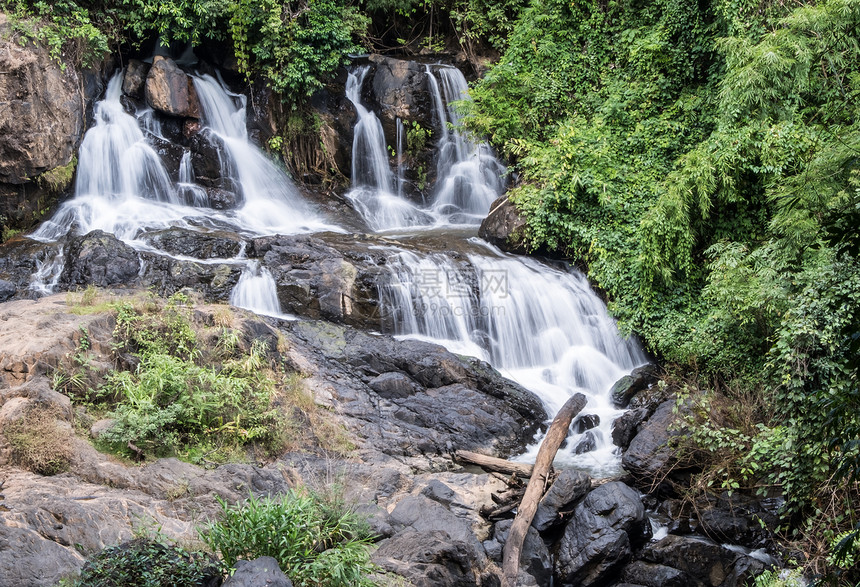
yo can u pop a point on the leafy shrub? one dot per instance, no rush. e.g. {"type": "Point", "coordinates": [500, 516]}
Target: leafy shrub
{"type": "Point", "coordinates": [315, 543]}
{"type": "Point", "coordinates": [148, 562]}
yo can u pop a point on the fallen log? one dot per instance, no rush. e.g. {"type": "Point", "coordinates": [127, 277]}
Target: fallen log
{"type": "Point", "coordinates": [537, 484]}
{"type": "Point", "coordinates": [493, 463]}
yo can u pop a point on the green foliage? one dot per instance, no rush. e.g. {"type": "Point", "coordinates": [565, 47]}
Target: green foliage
{"type": "Point", "coordinates": [171, 405]}
{"type": "Point", "coordinates": [147, 562]}
{"type": "Point", "coordinates": [702, 160]}
{"type": "Point", "coordinates": [72, 32]}
{"type": "Point", "coordinates": [176, 20]}
{"type": "Point", "coordinates": [295, 45]}
{"type": "Point", "coordinates": [316, 543]}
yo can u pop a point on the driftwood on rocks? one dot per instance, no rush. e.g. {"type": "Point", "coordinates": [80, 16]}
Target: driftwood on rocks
{"type": "Point", "coordinates": [537, 484]}
{"type": "Point", "coordinates": [494, 463]}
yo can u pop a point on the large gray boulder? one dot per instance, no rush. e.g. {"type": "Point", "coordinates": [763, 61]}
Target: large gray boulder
{"type": "Point", "coordinates": [170, 90]}
{"type": "Point", "coordinates": [599, 539]}
{"type": "Point", "coordinates": [99, 259]}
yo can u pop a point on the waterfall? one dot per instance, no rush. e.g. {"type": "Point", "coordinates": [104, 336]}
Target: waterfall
{"type": "Point", "coordinates": [256, 291]}
{"type": "Point", "coordinates": [123, 188]}
{"type": "Point", "coordinates": [469, 175]}
{"type": "Point", "coordinates": [371, 193]}
{"type": "Point", "coordinates": [540, 326]}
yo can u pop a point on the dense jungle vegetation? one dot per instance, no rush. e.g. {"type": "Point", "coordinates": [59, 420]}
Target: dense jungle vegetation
{"type": "Point", "coordinates": [700, 158]}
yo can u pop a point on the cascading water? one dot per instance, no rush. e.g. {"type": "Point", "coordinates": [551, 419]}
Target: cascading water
{"type": "Point", "coordinates": [541, 327]}
{"type": "Point", "coordinates": [372, 192]}
{"type": "Point", "coordinates": [123, 188]}
{"type": "Point", "coordinates": [470, 177]}
{"type": "Point", "coordinates": [256, 291]}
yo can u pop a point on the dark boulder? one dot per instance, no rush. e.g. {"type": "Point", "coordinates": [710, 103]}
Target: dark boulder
{"type": "Point", "coordinates": [170, 90]}
{"type": "Point", "coordinates": [213, 245]}
{"type": "Point", "coordinates": [223, 199]}
{"type": "Point", "coordinates": [7, 290]}
{"type": "Point", "coordinates": [260, 572]}
{"type": "Point", "coordinates": [336, 279]}
{"type": "Point", "coordinates": [135, 79]}
{"type": "Point", "coordinates": [600, 537]}
{"type": "Point", "coordinates": [568, 488]}
{"type": "Point", "coordinates": [427, 559]}
{"type": "Point", "coordinates": [587, 443]}
{"type": "Point", "coordinates": [504, 226]}
{"type": "Point", "coordinates": [628, 386]}
{"type": "Point", "coordinates": [626, 426]}
{"type": "Point", "coordinates": [650, 456]}
{"type": "Point", "coordinates": [707, 562]}
{"type": "Point", "coordinates": [535, 560]}
{"type": "Point", "coordinates": [167, 276]}
{"type": "Point", "coordinates": [586, 422]}
{"type": "Point", "coordinates": [99, 259]}
{"type": "Point", "coordinates": [654, 575]}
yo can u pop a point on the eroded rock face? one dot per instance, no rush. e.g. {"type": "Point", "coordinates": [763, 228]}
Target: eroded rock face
{"type": "Point", "coordinates": [42, 119]}
{"type": "Point", "coordinates": [439, 402]}
{"type": "Point", "coordinates": [170, 90]}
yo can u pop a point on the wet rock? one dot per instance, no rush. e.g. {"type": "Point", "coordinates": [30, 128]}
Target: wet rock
{"type": "Point", "coordinates": [535, 561]}
{"type": "Point", "coordinates": [170, 90]}
{"type": "Point", "coordinates": [260, 572]}
{"type": "Point", "coordinates": [461, 404]}
{"type": "Point", "coordinates": [653, 575]}
{"type": "Point", "coordinates": [586, 444]}
{"type": "Point", "coordinates": [170, 154]}
{"type": "Point", "coordinates": [586, 422]}
{"type": "Point", "coordinates": [626, 426]}
{"type": "Point", "coordinates": [504, 226]}
{"type": "Point", "coordinates": [135, 79]}
{"type": "Point", "coordinates": [707, 562]}
{"type": "Point", "coordinates": [206, 161]}
{"type": "Point", "coordinates": [317, 280]}
{"type": "Point", "coordinates": [737, 519]}
{"type": "Point", "coordinates": [628, 386]}
{"type": "Point", "coordinates": [223, 199]}
{"type": "Point", "coordinates": [394, 385]}
{"type": "Point", "coordinates": [599, 539]}
{"type": "Point", "coordinates": [167, 276]}
{"type": "Point", "coordinates": [212, 245]}
{"type": "Point", "coordinates": [649, 455]}
{"type": "Point", "coordinates": [399, 89]}
{"type": "Point", "coordinates": [7, 290]}
{"type": "Point", "coordinates": [99, 259]}
{"type": "Point", "coordinates": [568, 488]}
{"type": "Point", "coordinates": [427, 559]}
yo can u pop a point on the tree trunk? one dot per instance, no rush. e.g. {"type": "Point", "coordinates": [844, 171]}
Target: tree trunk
{"type": "Point", "coordinates": [534, 491]}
